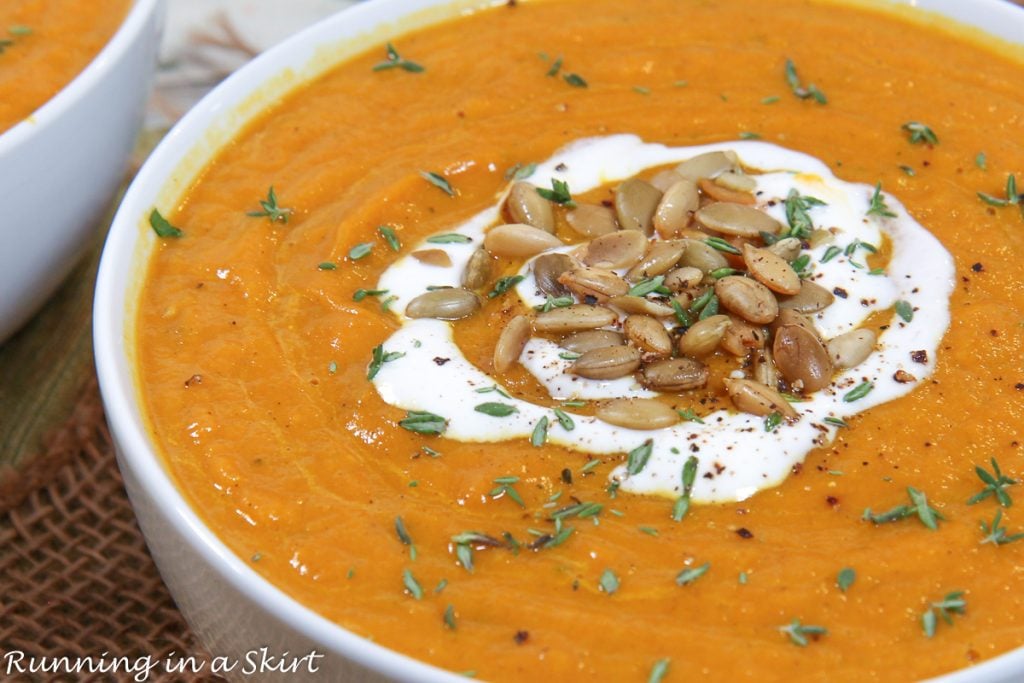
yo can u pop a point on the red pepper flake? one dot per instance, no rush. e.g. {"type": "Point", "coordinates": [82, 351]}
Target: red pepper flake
{"type": "Point", "coordinates": [832, 501]}
{"type": "Point", "coordinates": [194, 379]}
{"type": "Point", "coordinates": [919, 357]}
{"type": "Point", "coordinates": [441, 361]}
{"type": "Point", "coordinates": [744, 532]}
{"type": "Point", "coordinates": [977, 267]}
{"type": "Point", "coordinates": [521, 637]}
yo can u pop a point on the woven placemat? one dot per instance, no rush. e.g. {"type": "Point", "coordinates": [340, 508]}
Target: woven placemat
{"type": "Point", "coordinates": [77, 580]}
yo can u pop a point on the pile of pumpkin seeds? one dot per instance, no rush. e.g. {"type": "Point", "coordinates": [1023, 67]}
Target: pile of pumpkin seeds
{"type": "Point", "coordinates": [677, 269]}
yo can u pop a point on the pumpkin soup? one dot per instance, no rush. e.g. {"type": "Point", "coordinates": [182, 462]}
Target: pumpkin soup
{"type": "Point", "coordinates": [44, 44]}
{"type": "Point", "coordinates": [331, 318]}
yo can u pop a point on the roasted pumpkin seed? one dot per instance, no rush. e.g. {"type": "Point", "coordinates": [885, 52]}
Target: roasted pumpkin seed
{"type": "Point", "coordinates": [770, 270]}
{"type": "Point", "coordinates": [681, 279]}
{"type": "Point", "coordinates": [527, 207]}
{"type": "Point", "coordinates": [702, 256]}
{"type": "Point", "coordinates": [747, 298]}
{"type": "Point", "coordinates": [676, 208]}
{"type": "Point", "coordinates": [547, 268]}
{"type": "Point", "coordinates": [478, 270]}
{"type": "Point", "coordinates": [811, 298]}
{"type": "Point", "coordinates": [637, 413]}
{"type": "Point", "coordinates": [641, 306]}
{"type": "Point", "coordinates": [511, 342]}
{"type": "Point", "coordinates": [801, 359]}
{"type": "Point", "coordinates": [729, 218]}
{"type": "Point", "coordinates": [757, 399]}
{"type": "Point", "coordinates": [433, 257]}
{"type": "Point", "coordinates": [622, 249]}
{"type": "Point", "coordinates": [597, 282]}
{"type": "Point", "coordinates": [720, 193]}
{"type": "Point", "coordinates": [648, 335]}
{"type": "Point", "coordinates": [635, 203]}
{"type": "Point", "coordinates": [674, 374]}
{"type": "Point", "coordinates": [519, 240]}
{"type": "Point", "coordinates": [588, 340]}
{"type": "Point", "coordinates": [444, 304]}
{"type": "Point", "coordinates": [660, 257]}
{"type": "Point", "coordinates": [610, 362]}
{"type": "Point", "coordinates": [704, 336]}
{"type": "Point", "coordinates": [852, 348]}
{"type": "Point", "coordinates": [592, 220]}
{"type": "Point", "coordinates": [741, 337]}
{"type": "Point", "coordinates": [708, 165]}
{"type": "Point", "coordinates": [787, 249]}
{"type": "Point", "coordinates": [573, 319]}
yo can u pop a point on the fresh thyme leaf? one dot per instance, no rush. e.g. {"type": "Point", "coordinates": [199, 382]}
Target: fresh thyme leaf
{"type": "Point", "coordinates": [710, 309]}
{"type": "Point", "coordinates": [449, 617]}
{"type": "Point", "coordinates": [835, 422]}
{"type": "Point", "coordinates": [520, 171]}
{"type": "Point", "coordinates": [659, 670]}
{"type": "Point", "coordinates": [878, 206]}
{"type": "Point", "coordinates": [403, 534]}
{"type": "Point", "coordinates": [981, 161]}
{"type": "Point", "coordinates": [772, 422]}
{"type": "Point", "coordinates": [909, 170]}
{"type": "Point", "coordinates": [952, 604]}
{"type": "Point", "coordinates": [270, 209]}
{"type": "Point", "coordinates": [581, 510]}
{"type": "Point", "coordinates": [423, 422]}
{"type": "Point", "coordinates": [551, 541]}
{"type": "Point", "coordinates": [845, 578]}
{"type": "Point", "coordinates": [554, 302]}
{"type": "Point", "coordinates": [920, 134]}
{"type": "Point", "coordinates": [496, 409]}
{"type": "Point", "coordinates": [575, 80]}
{"type": "Point", "coordinates": [569, 355]}
{"type": "Point", "coordinates": [919, 506]}
{"type": "Point", "coordinates": [798, 632]}
{"type": "Point", "coordinates": [690, 416]}
{"type": "Point", "coordinates": [559, 193]}
{"type": "Point", "coordinates": [449, 238]}
{"type": "Point", "coordinates": [995, 485]}
{"type": "Point", "coordinates": [378, 358]}
{"type": "Point", "coordinates": [904, 310]}
{"type": "Point", "coordinates": [996, 533]}
{"type": "Point", "coordinates": [389, 235]}
{"type": "Point", "coordinates": [688, 576]}
{"type": "Point", "coordinates": [540, 433]}
{"type": "Point", "coordinates": [992, 201]}
{"type": "Point", "coordinates": [591, 464]}
{"type": "Point", "coordinates": [20, 30]}
{"type": "Point", "coordinates": [4, 44]}
{"type": "Point", "coordinates": [505, 488]}
{"type": "Point", "coordinates": [719, 273]}
{"type": "Point", "coordinates": [609, 582]}
{"type": "Point", "coordinates": [858, 392]}
{"type": "Point", "coordinates": [809, 92]}
{"type": "Point", "coordinates": [645, 287]}
{"type": "Point", "coordinates": [748, 135]}
{"type": "Point", "coordinates": [771, 99]}
{"type": "Point", "coordinates": [797, 205]}
{"type": "Point", "coordinates": [361, 294]}
{"type": "Point", "coordinates": [721, 245]}
{"type": "Point", "coordinates": [412, 585]}
{"type": "Point", "coordinates": [360, 250]}
{"type": "Point", "coordinates": [564, 419]}
{"type": "Point", "coordinates": [327, 265]}
{"type": "Point", "coordinates": [162, 227]}
{"type": "Point", "coordinates": [682, 317]}
{"type": "Point", "coordinates": [556, 66]}
{"type": "Point", "coordinates": [438, 181]}
{"type": "Point", "coordinates": [332, 367]}
{"type": "Point", "coordinates": [682, 504]}
{"type": "Point", "coordinates": [395, 61]}
{"type": "Point", "coordinates": [637, 458]}
{"type": "Point", "coordinates": [504, 284]}
{"type": "Point", "coordinates": [831, 253]}
{"type": "Point", "coordinates": [641, 90]}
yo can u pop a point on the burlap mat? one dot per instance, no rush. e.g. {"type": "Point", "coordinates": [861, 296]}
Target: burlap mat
{"type": "Point", "coordinates": [77, 579]}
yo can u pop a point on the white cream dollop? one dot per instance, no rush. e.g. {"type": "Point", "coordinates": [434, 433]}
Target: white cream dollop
{"type": "Point", "coordinates": [737, 456]}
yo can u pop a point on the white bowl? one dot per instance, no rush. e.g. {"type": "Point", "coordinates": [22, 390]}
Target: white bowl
{"type": "Point", "coordinates": [231, 607]}
{"type": "Point", "coordinates": [60, 167]}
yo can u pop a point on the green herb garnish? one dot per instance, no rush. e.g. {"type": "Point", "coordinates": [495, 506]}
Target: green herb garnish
{"type": "Point", "coordinates": [559, 193]}
{"type": "Point", "coordinates": [412, 585]}
{"type": "Point", "coordinates": [996, 533]}
{"type": "Point", "coordinates": [449, 617]}
{"type": "Point", "coordinates": [438, 181]}
{"type": "Point", "coordinates": [645, 287]}
{"type": "Point", "coordinates": [878, 206]}
{"type": "Point", "coordinates": [327, 265]}
{"type": "Point", "coordinates": [835, 422]}
{"type": "Point", "coordinates": [504, 487]}
{"type": "Point", "coordinates": [772, 422]}
{"type": "Point", "coordinates": [504, 284]}
{"type": "Point", "coordinates": [798, 632]}
{"type": "Point", "coordinates": [748, 135]}
{"type": "Point", "coordinates": [379, 358]}
{"type": "Point", "coordinates": [575, 80]}
{"type": "Point", "coordinates": [690, 416]}
{"type": "Point", "coordinates": [449, 238]}
{"type": "Point", "coordinates": [395, 61]}
{"type": "Point", "coordinates": [389, 235]}
{"type": "Point", "coordinates": [920, 134]}
{"type": "Point", "coordinates": [995, 485]}
{"type": "Point", "coordinates": [162, 227]}
{"type": "Point", "coordinates": [556, 66]}
{"type": "Point", "coordinates": [904, 310]}
{"type": "Point", "coordinates": [858, 392]}
{"type": "Point", "coordinates": [361, 250]}
{"type": "Point", "coordinates": [688, 576]}
{"type": "Point", "coordinates": [422, 422]}
{"type": "Point", "coordinates": [637, 458]}
{"type": "Point", "coordinates": [270, 209]}
{"type": "Point", "coordinates": [952, 604]}
{"type": "Point", "coordinates": [797, 205]}
{"type": "Point", "coordinates": [361, 294]}
{"type": "Point", "coordinates": [520, 171]}
{"type": "Point", "coordinates": [721, 245]}
{"type": "Point", "coordinates": [682, 504]}
{"type": "Point", "coordinates": [919, 506]}
{"type": "Point", "coordinates": [811, 91]}
{"type": "Point", "coordinates": [845, 578]}
{"type": "Point", "coordinates": [659, 670]}
{"type": "Point", "coordinates": [496, 409]}
{"type": "Point", "coordinates": [981, 161]}
{"type": "Point", "coordinates": [609, 582]}
{"type": "Point", "coordinates": [554, 302]}
{"type": "Point", "coordinates": [831, 253]}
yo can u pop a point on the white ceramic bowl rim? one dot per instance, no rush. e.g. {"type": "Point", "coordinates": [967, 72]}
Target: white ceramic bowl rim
{"type": "Point", "coordinates": [94, 72]}
{"type": "Point", "coordinates": [110, 332]}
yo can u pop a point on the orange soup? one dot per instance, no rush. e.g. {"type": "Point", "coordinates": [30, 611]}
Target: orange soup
{"type": "Point", "coordinates": [889, 553]}
{"type": "Point", "coordinates": [44, 44]}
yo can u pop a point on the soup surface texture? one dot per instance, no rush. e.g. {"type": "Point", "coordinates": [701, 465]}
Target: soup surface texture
{"type": "Point", "coordinates": [254, 347]}
{"type": "Point", "coordinates": [44, 44]}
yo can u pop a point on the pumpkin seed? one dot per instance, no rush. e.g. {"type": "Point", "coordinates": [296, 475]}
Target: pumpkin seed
{"type": "Point", "coordinates": [736, 219]}
{"type": "Point", "coordinates": [852, 348]}
{"type": "Point", "coordinates": [801, 359]}
{"type": "Point", "coordinates": [648, 335]}
{"type": "Point", "coordinates": [659, 259]}
{"type": "Point", "coordinates": [610, 362]}
{"type": "Point", "coordinates": [676, 208]}
{"type": "Point", "coordinates": [747, 298]}
{"type": "Point", "coordinates": [637, 413]}
{"type": "Point", "coordinates": [788, 316]}
{"type": "Point", "coordinates": [444, 304]}
{"type": "Point", "coordinates": [433, 257]}
{"type": "Point", "coordinates": [511, 342]}
{"type": "Point", "coordinates": [478, 270]}
{"type": "Point", "coordinates": [787, 249]}
{"type": "Point", "coordinates": [640, 306]}
{"type": "Point", "coordinates": [588, 340]}
{"type": "Point", "coordinates": [741, 337]}
{"type": "Point", "coordinates": [770, 270]}
{"type": "Point", "coordinates": [674, 374]}
{"type": "Point", "coordinates": [720, 193]}
{"type": "Point", "coordinates": [635, 203]}
{"type": "Point", "coordinates": [702, 256]}
{"type": "Point", "coordinates": [708, 165]}
{"type": "Point", "coordinates": [736, 180]}
{"type": "Point", "coordinates": [704, 336]}
{"type": "Point", "coordinates": [592, 220]}
{"type": "Point", "coordinates": [547, 268]}
{"type": "Point", "coordinates": [757, 399]}
{"type": "Point", "coordinates": [596, 282]}
{"type": "Point", "coordinates": [811, 298]}
{"type": "Point", "coordinates": [527, 207]}
{"type": "Point", "coordinates": [682, 279]}
{"type": "Point", "coordinates": [665, 179]}
{"type": "Point", "coordinates": [573, 319]}
{"type": "Point", "coordinates": [519, 240]}
{"type": "Point", "coordinates": [622, 249]}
